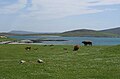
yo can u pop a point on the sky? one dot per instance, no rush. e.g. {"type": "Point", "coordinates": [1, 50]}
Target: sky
{"type": "Point", "coordinates": [58, 15]}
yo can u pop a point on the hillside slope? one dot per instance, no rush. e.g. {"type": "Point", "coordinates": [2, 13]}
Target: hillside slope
{"type": "Point", "coordinates": [113, 30]}
{"type": "Point", "coordinates": [88, 33]}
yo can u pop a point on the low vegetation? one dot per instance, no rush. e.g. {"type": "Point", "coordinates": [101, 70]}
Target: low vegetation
{"type": "Point", "coordinates": [60, 62]}
{"type": "Point", "coordinates": [7, 39]}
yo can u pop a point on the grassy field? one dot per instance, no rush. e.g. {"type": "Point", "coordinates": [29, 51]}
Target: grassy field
{"type": "Point", "coordinates": [96, 62]}
{"type": "Point", "coordinates": [7, 39]}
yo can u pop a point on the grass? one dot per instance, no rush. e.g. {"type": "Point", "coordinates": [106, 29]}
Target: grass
{"type": "Point", "coordinates": [7, 39]}
{"type": "Point", "coordinates": [96, 62]}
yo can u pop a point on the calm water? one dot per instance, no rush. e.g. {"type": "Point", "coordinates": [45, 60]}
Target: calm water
{"type": "Point", "coordinates": [72, 40]}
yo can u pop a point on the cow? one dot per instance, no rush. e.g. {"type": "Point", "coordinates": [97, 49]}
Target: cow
{"type": "Point", "coordinates": [76, 47]}
{"type": "Point", "coordinates": [28, 48]}
{"type": "Point", "coordinates": [51, 45]}
{"type": "Point", "coordinates": [65, 49]}
{"type": "Point", "coordinates": [87, 42]}
{"type": "Point", "coordinates": [35, 48]}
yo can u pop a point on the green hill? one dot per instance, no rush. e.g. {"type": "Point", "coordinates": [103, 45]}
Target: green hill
{"type": "Point", "coordinates": [113, 30]}
{"type": "Point", "coordinates": [88, 33]}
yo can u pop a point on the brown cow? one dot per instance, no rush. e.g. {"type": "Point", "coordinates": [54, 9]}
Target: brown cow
{"type": "Point", "coordinates": [76, 47]}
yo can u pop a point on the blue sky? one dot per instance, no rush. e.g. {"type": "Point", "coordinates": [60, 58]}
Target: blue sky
{"type": "Point", "coordinates": [58, 15]}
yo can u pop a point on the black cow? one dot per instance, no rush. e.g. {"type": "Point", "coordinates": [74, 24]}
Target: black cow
{"type": "Point", "coordinates": [87, 42]}
{"type": "Point", "coordinates": [28, 48]}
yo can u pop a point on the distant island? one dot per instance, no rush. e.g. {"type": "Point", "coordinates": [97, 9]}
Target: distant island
{"type": "Point", "coordinates": [113, 32]}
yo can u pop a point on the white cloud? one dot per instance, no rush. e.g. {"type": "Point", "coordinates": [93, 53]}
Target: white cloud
{"type": "Point", "coordinates": [13, 8]}
{"type": "Point", "coordinates": [48, 9]}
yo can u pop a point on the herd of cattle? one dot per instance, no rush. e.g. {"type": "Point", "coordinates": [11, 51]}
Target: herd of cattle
{"type": "Point", "coordinates": [76, 47]}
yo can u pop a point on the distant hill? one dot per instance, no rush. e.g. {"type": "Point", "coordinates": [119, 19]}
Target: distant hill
{"type": "Point", "coordinates": [6, 34]}
{"type": "Point", "coordinates": [28, 32]}
{"type": "Point", "coordinates": [21, 32]}
{"type": "Point", "coordinates": [112, 30]}
{"type": "Point", "coordinates": [89, 33]}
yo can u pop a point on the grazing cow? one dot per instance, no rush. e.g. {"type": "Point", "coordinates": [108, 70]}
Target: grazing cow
{"type": "Point", "coordinates": [28, 48]}
{"type": "Point", "coordinates": [76, 47]}
{"type": "Point", "coordinates": [65, 49]}
{"type": "Point", "coordinates": [51, 45]}
{"type": "Point", "coordinates": [87, 42]}
{"type": "Point", "coordinates": [35, 48]}
{"type": "Point", "coordinates": [45, 45]}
